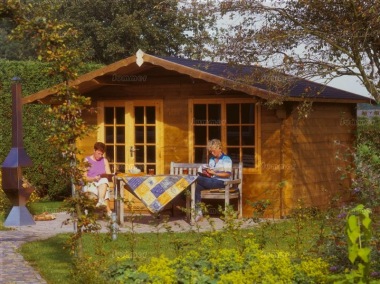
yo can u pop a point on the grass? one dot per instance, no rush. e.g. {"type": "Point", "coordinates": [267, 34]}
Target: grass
{"type": "Point", "coordinates": [36, 208]}
{"type": "Point", "coordinates": [2, 220]}
{"type": "Point", "coordinates": [52, 258]}
{"type": "Point", "coordinates": [40, 207]}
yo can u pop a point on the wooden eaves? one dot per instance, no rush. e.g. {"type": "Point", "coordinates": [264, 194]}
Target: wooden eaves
{"type": "Point", "coordinates": [133, 64]}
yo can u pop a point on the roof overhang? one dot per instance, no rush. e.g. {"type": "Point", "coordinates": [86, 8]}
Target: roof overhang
{"type": "Point", "coordinates": [142, 62]}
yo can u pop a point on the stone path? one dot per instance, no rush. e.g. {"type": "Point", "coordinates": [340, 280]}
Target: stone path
{"type": "Point", "coordinates": [14, 269]}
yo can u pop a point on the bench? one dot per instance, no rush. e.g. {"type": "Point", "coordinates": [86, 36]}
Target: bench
{"type": "Point", "coordinates": [232, 189]}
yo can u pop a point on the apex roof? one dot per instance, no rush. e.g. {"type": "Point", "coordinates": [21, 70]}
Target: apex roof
{"type": "Point", "coordinates": [253, 80]}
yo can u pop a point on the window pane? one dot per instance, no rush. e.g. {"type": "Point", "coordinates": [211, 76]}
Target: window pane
{"type": "Point", "coordinates": [109, 153]}
{"type": "Point", "coordinates": [248, 135]}
{"type": "Point", "coordinates": [200, 114]}
{"type": "Point", "coordinates": [200, 155]}
{"type": "Point", "coordinates": [108, 115]}
{"type": "Point", "coordinates": [151, 167]}
{"type": "Point", "coordinates": [120, 168]}
{"type": "Point", "coordinates": [139, 134]}
{"type": "Point", "coordinates": [233, 113]}
{"type": "Point", "coordinates": [139, 115]}
{"type": "Point", "coordinates": [248, 113]}
{"type": "Point", "coordinates": [140, 167]}
{"type": "Point", "coordinates": [214, 114]}
{"type": "Point", "coordinates": [109, 134]}
{"type": "Point", "coordinates": [120, 135]}
{"type": "Point", "coordinates": [233, 135]}
{"type": "Point", "coordinates": [120, 115]}
{"type": "Point", "coordinates": [234, 154]}
{"type": "Point", "coordinates": [150, 114]}
{"type": "Point", "coordinates": [151, 154]}
{"type": "Point", "coordinates": [215, 132]}
{"type": "Point", "coordinates": [200, 135]}
{"type": "Point", "coordinates": [120, 154]}
{"type": "Point", "coordinates": [151, 134]}
{"type": "Point", "coordinates": [139, 153]}
{"type": "Point", "coordinates": [248, 157]}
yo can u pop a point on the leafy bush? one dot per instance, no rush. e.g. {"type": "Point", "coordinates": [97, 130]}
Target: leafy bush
{"type": "Point", "coordinates": [368, 131]}
{"type": "Point", "coordinates": [228, 265]}
{"type": "Point", "coordinates": [45, 174]}
{"type": "Point", "coordinates": [365, 190]}
{"type": "Point", "coordinates": [5, 204]}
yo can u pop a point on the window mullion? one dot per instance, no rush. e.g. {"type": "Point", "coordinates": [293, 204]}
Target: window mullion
{"type": "Point", "coordinates": [224, 123]}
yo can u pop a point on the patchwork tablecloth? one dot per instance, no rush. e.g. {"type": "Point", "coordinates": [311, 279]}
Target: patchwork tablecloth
{"type": "Point", "coordinates": [157, 191]}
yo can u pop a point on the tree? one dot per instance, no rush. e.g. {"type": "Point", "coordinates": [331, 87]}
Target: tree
{"type": "Point", "coordinates": [54, 43]}
{"type": "Point", "coordinates": [13, 50]}
{"type": "Point", "coordinates": [305, 38]}
{"type": "Point", "coordinates": [112, 30]}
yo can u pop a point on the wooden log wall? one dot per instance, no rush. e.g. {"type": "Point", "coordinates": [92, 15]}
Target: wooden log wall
{"type": "Point", "coordinates": [300, 158]}
{"type": "Point", "coordinates": [319, 145]}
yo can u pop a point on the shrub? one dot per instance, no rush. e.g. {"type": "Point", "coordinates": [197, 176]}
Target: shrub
{"type": "Point", "coordinates": [45, 173]}
{"type": "Point", "coordinates": [365, 189]}
{"type": "Point", "coordinates": [5, 204]}
{"type": "Point", "coordinates": [229, 265]}
{"type": "Point", "coordinates": [159, 270]}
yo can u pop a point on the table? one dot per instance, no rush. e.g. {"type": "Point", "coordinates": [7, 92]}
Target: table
{"type": "Point", "coordinates": [157, 191]}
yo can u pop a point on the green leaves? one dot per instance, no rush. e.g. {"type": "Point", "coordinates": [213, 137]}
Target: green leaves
{"type": "Point", "coordinates": [359, 236]}
{"type": "Point", "coordinates": [323, 39]}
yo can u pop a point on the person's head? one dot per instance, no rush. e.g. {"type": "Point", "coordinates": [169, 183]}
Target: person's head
{"type": "Point", "coordinates": [214, 146]}
{"type": "Point", "coordinates": [99, 149]}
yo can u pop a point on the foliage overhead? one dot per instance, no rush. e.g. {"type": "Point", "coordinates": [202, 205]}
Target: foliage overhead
{"type": "Point", "coordinates": [54, 42]}
{"type": "Point", "coordinates": [112, 30]}
{"type": "Point", "coordinates": [310, 39]}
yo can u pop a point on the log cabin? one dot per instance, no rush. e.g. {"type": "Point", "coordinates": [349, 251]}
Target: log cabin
{"type": "Point", "coordinates": [154, 110]}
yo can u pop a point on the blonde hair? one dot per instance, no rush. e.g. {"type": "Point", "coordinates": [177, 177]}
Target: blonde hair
{"type": "Point", "coordinates": [214, 144]}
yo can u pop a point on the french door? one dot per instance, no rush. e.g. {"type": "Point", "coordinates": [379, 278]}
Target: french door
{"type": "Point", "coordinates": [132, 132]}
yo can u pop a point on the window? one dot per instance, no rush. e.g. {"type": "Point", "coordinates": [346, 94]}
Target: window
{"type": "Point", "coordinates": [231, 121]}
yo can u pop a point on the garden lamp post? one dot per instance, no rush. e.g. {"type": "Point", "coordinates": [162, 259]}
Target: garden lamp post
{"type": "Point", "coordinates": [13, 185]}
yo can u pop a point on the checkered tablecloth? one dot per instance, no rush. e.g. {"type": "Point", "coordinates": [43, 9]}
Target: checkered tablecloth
{"type": "Point", "coordinates": [157, 191]}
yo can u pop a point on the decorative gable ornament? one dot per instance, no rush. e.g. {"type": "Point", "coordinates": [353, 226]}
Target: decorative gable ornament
{"type": "Point", "coordinates": [139, 57]}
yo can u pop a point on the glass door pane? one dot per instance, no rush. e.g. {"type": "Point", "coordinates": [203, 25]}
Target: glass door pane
{"type": "Point", "coordinates": [114, 131]}
{"type": "Point", "coordinates": [145, 138]}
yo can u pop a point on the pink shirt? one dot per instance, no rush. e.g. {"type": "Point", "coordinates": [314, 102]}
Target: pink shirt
{"type": "Point", "coordinates": [96, 168]}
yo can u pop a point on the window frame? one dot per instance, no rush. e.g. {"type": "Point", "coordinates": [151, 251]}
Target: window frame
{"type": "Point", "coordinates": [224, 102]}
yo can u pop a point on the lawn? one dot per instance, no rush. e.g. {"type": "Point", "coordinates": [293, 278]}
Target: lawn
{"type": "Point", "coordinates": [53, 260]}
{"type": "Point", "coordinates": [52, 257]}
{"type": "Point", "coordinates": [305, 236]}
{"type": "Point", "coordinates": [2, 219]}
{"type": "Point", "coordinates": [40, 207]}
